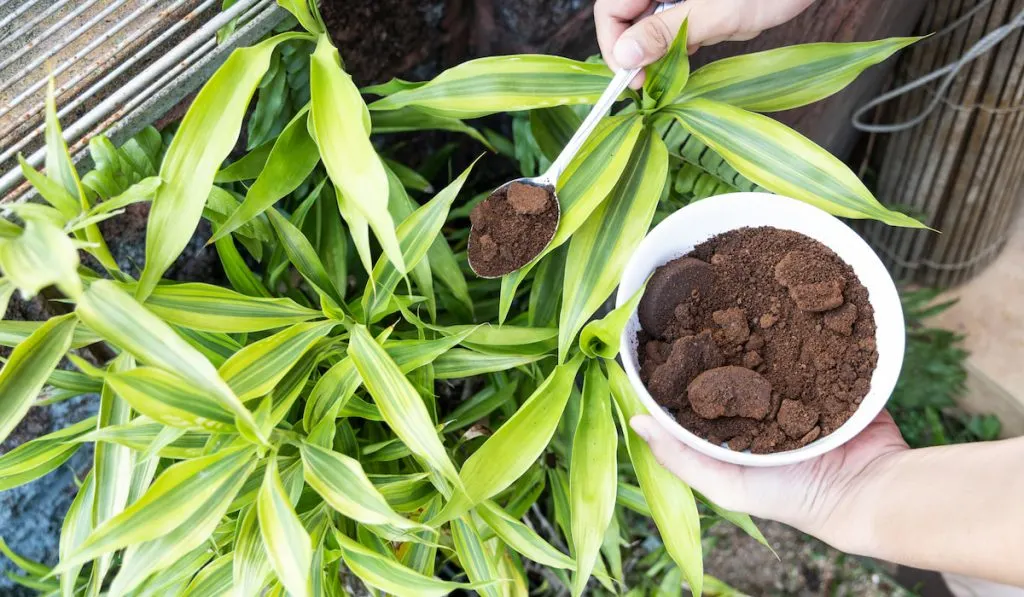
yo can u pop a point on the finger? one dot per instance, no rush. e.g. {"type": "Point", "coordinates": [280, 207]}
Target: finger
{"type": "Point", "coordinates": [719, 481]}
{"type": "Point", "coordinates": [611, 19]}
{"type": "Point", "coordinates": [650, 38]}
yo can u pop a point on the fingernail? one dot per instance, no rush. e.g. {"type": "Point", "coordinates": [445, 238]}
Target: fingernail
{"type": "Point", "coordinates": [628, 53]}
{"type": "Point", "coordinates": [642, 427]}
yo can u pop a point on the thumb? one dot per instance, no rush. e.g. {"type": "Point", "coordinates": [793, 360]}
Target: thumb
{"type": "Point", "coordinates": [649, 38]}
{"type": "Point", "coordinates": [720, 481]}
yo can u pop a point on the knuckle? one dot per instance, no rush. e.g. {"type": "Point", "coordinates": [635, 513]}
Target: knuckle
{"type": "Point", "coordinates": [658, 33]}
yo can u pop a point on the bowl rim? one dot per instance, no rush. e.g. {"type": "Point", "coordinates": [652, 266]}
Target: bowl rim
{"type": "Point", "coordinates": [675, 236]}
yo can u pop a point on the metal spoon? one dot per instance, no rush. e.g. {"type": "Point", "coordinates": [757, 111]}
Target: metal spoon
{"type": "Point", "coordinates": [549, 179]}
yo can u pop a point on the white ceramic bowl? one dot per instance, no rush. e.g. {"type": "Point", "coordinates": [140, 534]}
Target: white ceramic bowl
{"type": "Point", "coordinates": [682, 231]}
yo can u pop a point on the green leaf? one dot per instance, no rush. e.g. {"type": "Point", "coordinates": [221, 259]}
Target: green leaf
{"type": "Point", "coordinates": [257, 368]}
{"type": "Point", "coordinates": [251, 571]}
{"type": "Point", "coordinates": [504, 84]}
{"type": "Point", "coordinates": [416, 234]}
{"type": "Point", "coordinates": [477, 560]}
{"type": "Point", "coordinates": [553, 127]}
{"type": "Point", "coordinates": [601, 337]}
{"type": "Point", "coordinates": [419, 554]}
{"type": "Point", "coordinates": [600, 248]}
{"type": "Point", "coordinates": [205, 137]}
{"type": "Point", "coordinates": [592, 475]}
{"type": "Point", "coordinates": [790, 77]}
{"type": "Point", "coordinates": [214, 580]}
{"type": "Point", "coordinates": [399, 402]}
{"type": "Point", "coordinates": [112, 464]}
{"type": "Point", "coordinates": [460, 362]}
{"type": "Point", "coordinates": [248, 167]}
{"type": "Point", "coordinates": [13, 333]}
{"type": "Point", "coordinates": [169, 399]}
{"type": "Point", "coordinates": [119, 319]}
{"type": "Point", "coordinates": [41, 256]}
{"type": "Point", "coordinates": [292, 159]}
{"type": "Point", "coordinates": [667, 77]}
{"type": "Point", "coordinates": [51, 190]}
{"type": "Point", "coordinates": [303, 256]}
{"type": "Point", "coordinates": [670, 500]}
{"type": "Point", "coordinates": [144, 435]}
{"type": "Point", "coordinates": [28, 368]}
{"type": "Point", "coordinates": [409, 119]}
{"type": "Point", "coordinates": [341, 125]}
{"type": "Point", "coordinates": [37, 457]}
{"type": "Point", "coordinates": [586, 183]}
{"type": "Point", "coordinates": [301, 11]}
{"type": "Point", "coordinates": [517, 444]}
{"type": "Point", "coordinates": [183, 488]}
{"type": "Point", "coordinates": [76, 528]}
{"type": "Point", "coordinates": [388, 575]}
{"type": "Point", "coordinates": [782, 160]}
{"type": "Point", "coordinates": [215, 309]}
{"type": "Point", "coordinates": [342, 483]}
{"type": "Point", "coordinates": [289, 548]}
{"type": "Point", "coordinates": [522, 538]}
{"type": "Point", "coordinates": [137, 193]}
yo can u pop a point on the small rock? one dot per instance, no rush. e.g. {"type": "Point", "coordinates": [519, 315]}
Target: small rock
{"type": "Point", "coordinates": [733, 323]}
{"type": "Point", "coordinates": [756, 342]}
{"type": "Point", "coordinates": [802, 267]}
{"type": "Point", "coordinates": [671, 284]}
{"type": "Point", "coordinates": [488, 248]}
{"type": "Point", "coordinates": [528, 199]}
{"type": "Point", "coordinates": [688, 357]}
{"type": "Point", "coordinates": [752, 359]}
{"type": "Point", "coordinates": [841, 320]}
{"type": "Point", "coordinates": [730, 392]}
{"type": "Point", "coordinates": [768, 320]}
{"type": "Point", "coordinates": [867, 345]}
{"type": "Point", "coordinates": [740, 443]}
{"type": "Point", "coordinates": [818, 297]}
{"type": "Point", "coordinates": [768, 439]}
{"type": "Point", "coordinates": [795, 419]}
{"type": "Point", "coordinates": [810, 436]}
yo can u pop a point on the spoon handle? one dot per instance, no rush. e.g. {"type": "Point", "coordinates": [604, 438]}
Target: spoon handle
{"type": "Point", "coordinates": [611, 94]}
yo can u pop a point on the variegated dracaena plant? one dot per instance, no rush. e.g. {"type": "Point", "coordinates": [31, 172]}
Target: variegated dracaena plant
{"type": "Point", "coordinates": [349, 412]}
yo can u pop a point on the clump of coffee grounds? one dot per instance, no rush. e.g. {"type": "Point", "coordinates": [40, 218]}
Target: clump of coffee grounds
{"type": "Point", "coordinates": [511, 227]}
{"type": "Point", "coordinates": [760, 339]}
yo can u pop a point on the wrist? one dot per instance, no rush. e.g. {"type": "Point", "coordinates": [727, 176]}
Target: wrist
{"type": "Point", "coordinates": [854, 520]}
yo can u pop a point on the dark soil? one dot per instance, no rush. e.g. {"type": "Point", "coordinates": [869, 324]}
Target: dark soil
{"type": "Point", "coordinates": [762, 339]}
{"type": "Point", "coordinates": [511, 227]}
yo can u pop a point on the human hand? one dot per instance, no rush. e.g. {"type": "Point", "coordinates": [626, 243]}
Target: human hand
{"type": "Point", "coordinates": [818, 497]}
{"type": "Point", "coordinates": [629, 41]}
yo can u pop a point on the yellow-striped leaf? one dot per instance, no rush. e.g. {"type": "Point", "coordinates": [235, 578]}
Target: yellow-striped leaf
{"type": "Point", "coordinates": [478, 561]}
{"type": "Point", "coordinates": [388, 575]}
{"type": "Point", "coordinates": [167, 398]}
{"type": "Point", "coordinates": [668, 76]}
{"type": "Point", "coordinates": [670, 500]}
{"type": "Point", "coordinates": [289, 547]}
{"type": "Point", "coordinates": [237, 271]}
{"type": "Point", "coordinates": [420, 553]}
{"type": "Point", "coordinates": [205, 137]}
{"type": "Point", "coordinates": [35, 458]}
{"type": "Point", "coordinates": [28, 367]}
{"type": "Point", "coordinates": [416, 234]}
{"type": "Point", "coordinates": [586, 183]}
{"type": "Point", "coordinates": [119, 319]}
{"type": "Point", "coordinates": [300, 9]}
{"type": "Point", "coordinates": [522, 538]}
{"type": "Point", "coordinates": [144, 435]}
{"type": "Point", "coordinates": [13, 333]}
{"type": "Point", "coordinates": [181, 550]}
{"type": "Point", "coordinates": [413, 119]}
{"type": "Point", "coordinates": [75, 530]}
{"type": "Point", "coordinates": [602, 337]}
{"type": "Point", "coordinates": [257, 368]}
{"type": "Point", "coordinates": [215, 309]}
{"type": "Point", "coordinates": [342, 483]}
{"type": "Point", "coordinates": [51, 190]}
{"type": "Point", "coordinates": [341, 125]}
{"type": "Point", "coordinates": [600, 248]}
{"type": "Point", "coordinates": [504, 84]}
{"type": "Point", "coordinates": [303, 256]}
{"type": "Point", "coordinates": [517, 444]}
{"type": "Point", "coordinates": [41, 256]}
{"type": "Point", "coordinates": [782, 160]}
{"type": "Point", "coordinates": [250, 570]}
{"type": "Point", "coordinates": [400, 404]}
{"type": "Point", "coordinates": [458, 363]}
{"type": "Point", "coordinates": [293, 157]}
{"type": "Point", "coordinates": [592, 474]}
{"type": "Point", "coordinates": [183, 488]}
{"type": "Point", "coordinates": [214, 580]}
{"type": "Point", "coordinates": [787, 78]}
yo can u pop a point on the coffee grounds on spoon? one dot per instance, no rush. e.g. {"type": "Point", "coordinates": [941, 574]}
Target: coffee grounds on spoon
{"type": "Point", "coordinates": [511, 227]}
{"type": "Point", "coordinates": [760, 338]}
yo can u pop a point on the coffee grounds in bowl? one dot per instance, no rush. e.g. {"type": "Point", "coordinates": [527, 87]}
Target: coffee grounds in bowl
{"type": "Point", "coordinates": [511, 227]}
{"type": "Point", "coordinates": [759, 338]}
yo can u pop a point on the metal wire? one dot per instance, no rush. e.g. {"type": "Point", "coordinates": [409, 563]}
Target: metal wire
{"type": "Point", "coordinates": [17, 12]}
{"type": "Point", "coordinates": [65, 42]}
{"type": "Point", "coordinates": [30, 24]}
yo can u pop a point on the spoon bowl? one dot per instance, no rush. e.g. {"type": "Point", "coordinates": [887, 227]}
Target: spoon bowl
{"type": "Point", "coordinates": [519, 255]}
